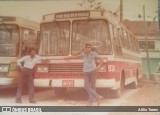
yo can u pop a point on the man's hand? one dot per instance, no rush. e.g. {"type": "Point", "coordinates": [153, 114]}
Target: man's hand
{"type": "Point", "coordinates": [21, 68]}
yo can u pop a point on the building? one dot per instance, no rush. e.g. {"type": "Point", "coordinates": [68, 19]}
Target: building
{"type": "Point", "coordinates": [147, 34]}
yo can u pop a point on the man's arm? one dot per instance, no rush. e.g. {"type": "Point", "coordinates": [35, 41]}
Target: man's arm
{"type": "Point", "coordinates": [42, 59]}
{"type": "Point", "coordinates": [19, 61]}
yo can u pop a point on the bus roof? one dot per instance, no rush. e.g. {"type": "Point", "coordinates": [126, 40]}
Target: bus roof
{"type": "Point", "coordinates": [84, 14]}
{"type": "Point", "coordinates": [23, 22]}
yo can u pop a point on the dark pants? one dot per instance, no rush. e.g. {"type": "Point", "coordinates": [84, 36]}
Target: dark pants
{"type": "Point", "coordinates": [26, 75]}
{"type": "Point", "coordinates": [89, 84]}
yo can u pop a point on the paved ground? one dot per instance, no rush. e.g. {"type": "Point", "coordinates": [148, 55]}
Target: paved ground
{"type": "Point", "coordinates": [148, 94]}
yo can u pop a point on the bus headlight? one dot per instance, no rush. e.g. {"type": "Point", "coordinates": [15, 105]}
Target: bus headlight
{"type": "Point", "coordinates": [4, 68]}
{"type": "Point", "coordinates": [42, 68]}
{"type": "Point", "coordinates": [103, 68]}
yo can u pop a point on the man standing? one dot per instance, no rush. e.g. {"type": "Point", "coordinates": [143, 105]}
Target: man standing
{"type": "Point", "coordinates": [27, 74]}
{"type": "Point", "coordinates": [90, 72]}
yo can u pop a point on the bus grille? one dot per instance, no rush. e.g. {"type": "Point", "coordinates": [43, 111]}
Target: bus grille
{"type": "Point", "coordinates": [65, 68]}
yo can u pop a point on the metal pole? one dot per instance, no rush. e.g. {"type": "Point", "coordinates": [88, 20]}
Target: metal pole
{"type": "Point", "coordinates": [159, 13]}
{"type": "Point", "coordinates": [121, 11]}
{"type": "Point", "coordinates": [146, 40]}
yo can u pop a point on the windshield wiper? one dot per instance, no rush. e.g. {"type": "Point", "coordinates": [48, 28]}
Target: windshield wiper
{"type": "Point", "coordinates": [79, 29]}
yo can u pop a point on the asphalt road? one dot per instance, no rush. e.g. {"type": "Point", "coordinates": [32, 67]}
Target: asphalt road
{"type": "Point", "coordinates": [73, 97]}
{"type": "Point", "coordinates": [146, 94]}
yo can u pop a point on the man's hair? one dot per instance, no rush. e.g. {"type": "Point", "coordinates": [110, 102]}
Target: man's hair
{"type": "Point", "coordinates": [87, 44]}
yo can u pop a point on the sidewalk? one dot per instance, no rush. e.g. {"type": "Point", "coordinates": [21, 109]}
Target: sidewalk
{"type": "Point", "coordinates": [152, 78]}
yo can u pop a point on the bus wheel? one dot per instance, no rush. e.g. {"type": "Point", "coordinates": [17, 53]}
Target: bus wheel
{"type": "Point", "coordinates": [118, 91]}
{"type": "Point", "coordinates": [60, 92]}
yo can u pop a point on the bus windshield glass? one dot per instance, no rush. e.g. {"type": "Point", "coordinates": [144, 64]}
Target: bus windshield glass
{"type": "Point", "coordinates": [55, 38]}
{"type": "Point", "coordinates": [95, 32]}
{"type": "Point", "coordinates": [9, 40]}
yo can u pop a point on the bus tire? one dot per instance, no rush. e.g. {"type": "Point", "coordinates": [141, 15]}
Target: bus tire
{"type": "Point", "coordinates": [121, 88]}
{"type": "Point", "coordinates": [59, 91]}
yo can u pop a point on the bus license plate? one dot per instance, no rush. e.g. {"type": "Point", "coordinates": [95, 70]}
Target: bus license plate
{"type": "Point", "coordinates": [68, 83]}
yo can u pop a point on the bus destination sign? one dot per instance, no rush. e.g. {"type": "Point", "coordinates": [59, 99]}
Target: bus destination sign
{"type": "Point", "coordinates": [72, 15]}
{"type": "Point", "coordinates": [3, 18]}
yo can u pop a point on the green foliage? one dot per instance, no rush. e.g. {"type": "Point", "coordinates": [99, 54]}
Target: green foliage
{"type": "Point", "coordinates": [91, 5]}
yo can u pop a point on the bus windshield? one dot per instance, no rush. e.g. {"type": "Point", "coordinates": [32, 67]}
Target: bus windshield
{"type": "Point", "coordinates": [55, 38]}
{"type": "Point", "coordinates": [95, 32]}
{"type": "Point", "coordinates": [9, 40]}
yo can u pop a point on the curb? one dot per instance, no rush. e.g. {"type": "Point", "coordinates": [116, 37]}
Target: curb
{"type": "Point", "coordinates": [155, 82]}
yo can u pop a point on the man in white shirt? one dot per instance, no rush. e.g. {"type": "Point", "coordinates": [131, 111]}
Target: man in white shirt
{"type": "Point", "coordinates": [27, 74]}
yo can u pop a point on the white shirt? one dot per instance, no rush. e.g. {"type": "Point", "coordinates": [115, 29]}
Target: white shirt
{"type": "Point", "coordinates": [28, 61]}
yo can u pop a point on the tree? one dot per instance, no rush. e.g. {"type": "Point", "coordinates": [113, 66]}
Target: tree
{"type": "Point", "coordinates": [96, 5]}
{"type": "Point", "coordinates": [91, 5]}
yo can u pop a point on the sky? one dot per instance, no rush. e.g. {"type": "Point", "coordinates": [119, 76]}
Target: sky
{"type": "Point", "coordinates": [35, 9]}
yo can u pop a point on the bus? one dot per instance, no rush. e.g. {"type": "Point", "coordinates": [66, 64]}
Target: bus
{"type": "Point", "coordinates": [17, 35]}
{"type": "Point", "coordinates": [65, 33]}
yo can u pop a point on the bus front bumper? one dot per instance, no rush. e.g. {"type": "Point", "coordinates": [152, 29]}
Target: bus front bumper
{"type": "Point", "coordinates": [7, 82]}
{"type": "Point", "coordinates": [70, 82]}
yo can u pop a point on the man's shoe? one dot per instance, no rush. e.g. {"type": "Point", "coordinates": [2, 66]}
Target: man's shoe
{"type": "Point", "coordinates": [18, 101]}
{"type": "Point", "coordinates": [99, 99]}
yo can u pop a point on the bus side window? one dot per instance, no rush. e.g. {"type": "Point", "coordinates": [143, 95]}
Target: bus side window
{"type": "Point", "coordinates": [130, 41]}
{"type": "Point", "coordinates": [121, 38]}
{"type": "Point", "coordinates": [125, 35]}
{"type": "Point", "coordinates": [116, 36]}
{"type": "Point", "coordinates": [117, 50]}
{"type": "Point", "coordinates": [135, 44]}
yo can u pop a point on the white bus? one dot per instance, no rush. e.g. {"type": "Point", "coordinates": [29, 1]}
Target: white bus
{"type": "Point", "coordinates": [16, 34]}
{"type": "Point", "coordinates": [65, 33]}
